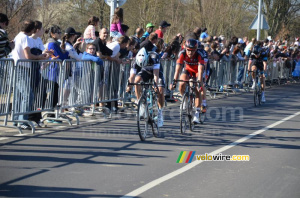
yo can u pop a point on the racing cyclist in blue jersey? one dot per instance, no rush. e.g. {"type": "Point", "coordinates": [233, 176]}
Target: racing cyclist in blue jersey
{"type": "Point", "coordinates": [258, 56]}
{"type": "Point", "coordinates": [204, 55]}
{"type": "Point", "coordinates": [148, 67]}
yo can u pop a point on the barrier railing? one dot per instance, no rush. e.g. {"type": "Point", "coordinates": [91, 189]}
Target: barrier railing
{"type": "Point", "coordinates": [45, 86]}
{"type": "Point", "coordinates": [6, 83]}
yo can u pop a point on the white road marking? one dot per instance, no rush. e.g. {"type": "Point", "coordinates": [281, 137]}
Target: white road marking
{"type": "Point", "coordinates": [20, 134]}
{"type": "Point", "coordinates": [3, 139]}
{"type": "Point", "coordinates": [197, 162]}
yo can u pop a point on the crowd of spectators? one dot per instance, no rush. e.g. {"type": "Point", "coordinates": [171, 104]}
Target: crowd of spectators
{"type": "Point", "coordinates": [115, 44]}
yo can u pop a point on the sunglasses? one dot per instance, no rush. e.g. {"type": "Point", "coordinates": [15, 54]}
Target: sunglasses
{"type": "Point", "coordinates": [191, 50]}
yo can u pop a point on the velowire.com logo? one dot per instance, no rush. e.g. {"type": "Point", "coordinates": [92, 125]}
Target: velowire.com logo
{"type": "Point", "coordinates": [187, 157]}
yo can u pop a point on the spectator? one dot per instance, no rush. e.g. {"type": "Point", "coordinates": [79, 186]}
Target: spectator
{"type": "Point", "coordinates": [197, 31]}
{"type": "Point", "coordinates": [38, 82]}
{"type": "Point", "coordinates": [149, 43]}
{"type": "Point", "coordinates": [115, 28]}
{"type": "Point", "coordinates": [208, 41]}
{"type": "Point", "coordinates": [6, 46]}
{"type": "Point", "coordinates": [54, 44]}
{"type": "Point", "coordinates": [67, 43]}
{"type": "Point", "coordinates": [116, 46]}
{"type": "Point", "coordinates": [203, 34]}
{"type": "Point", "coordinates": [89, 33]}
{"type": "Point", "coordinates": [233, 42]}
{"type": "Point", "coordinates": [58, 52]}
{"type": "Point", "coordinates": [172, 50]}
{"type": "Point", "coordinates": [23, 45]}
{"type": "Point", "coordinates": [215, 55]}
{"type": "Point", "coordinates": [101, 49]}
{"type": "Point", "coordinates": [125, 29]}
{"type": "Point", "coordinates": [159, 47]}
{"type": "Point", "coordinates": [162, 29]}
{"type": "Point", "coordinates": [149, 30]}
{"type": "Point", "coordinates": [249, 47]}
{"type": "Point", "coordinates": [130, 47]}
{"type": "Point", "coordinates": [90, 54]}
{"type": "Point", "coordinates": [138, 34]}
{"type": "Point", "coordinates": [237, 56]}
{"type": "Point", "coordinates": [179, 38]}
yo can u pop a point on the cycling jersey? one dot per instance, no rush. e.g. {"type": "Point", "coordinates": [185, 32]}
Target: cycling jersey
{"type": "Point", "coordinates": [191, 64]}
{"type": "Point", "coordinates": [146, 72]}
{"type": "Point", "coordinates": [258, 61]}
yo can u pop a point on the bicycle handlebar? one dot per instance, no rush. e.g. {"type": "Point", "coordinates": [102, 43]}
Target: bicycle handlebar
{"type": "Point", "coordinates": [187, 81]}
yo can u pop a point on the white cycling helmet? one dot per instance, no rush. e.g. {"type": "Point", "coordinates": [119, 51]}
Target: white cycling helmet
{"type": "Point", "coordinates": [141, 58]}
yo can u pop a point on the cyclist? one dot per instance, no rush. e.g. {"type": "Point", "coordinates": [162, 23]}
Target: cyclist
{"type": "Point", "coordinates": [194, 68]}
{"type": "Point", "coordinates": [257, 57]}
{"type": "Point", "coordinates": [148, 67]}
{"type": "Point", "coordinates": [204, 55]}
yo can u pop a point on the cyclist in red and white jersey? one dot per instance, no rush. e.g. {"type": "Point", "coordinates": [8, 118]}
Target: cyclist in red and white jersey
{"type": "Point", "coordinates": [194, 68]}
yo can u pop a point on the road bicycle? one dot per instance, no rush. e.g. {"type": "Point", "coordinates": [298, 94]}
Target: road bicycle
{"type": "Point", "coordinates": [257, 92]}
{"type": "Point", "coordinates": [187, 105]}
{"type": "Point", "coordinates": [147, 111]}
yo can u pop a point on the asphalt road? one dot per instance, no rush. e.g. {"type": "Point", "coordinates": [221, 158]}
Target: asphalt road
{"type": "Point", "coordinates": [105, 158]}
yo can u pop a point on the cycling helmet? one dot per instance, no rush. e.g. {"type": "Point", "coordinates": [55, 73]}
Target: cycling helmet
{"type": "Point", "coordinates": [191, 44]}
{"type": "Point", "coordinates": [141, 58]}
{"type": "Point", "coordinates": [257, 49]}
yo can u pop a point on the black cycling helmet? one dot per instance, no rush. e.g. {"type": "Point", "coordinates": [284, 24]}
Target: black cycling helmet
{"type": "Point", "coordinates": [257, 49]}
{"type": "Point", "coordinates": [191, 44]}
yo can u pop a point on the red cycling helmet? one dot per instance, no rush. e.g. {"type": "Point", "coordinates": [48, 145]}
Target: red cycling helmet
{"type": "Point", "coordinates": [191, 44]}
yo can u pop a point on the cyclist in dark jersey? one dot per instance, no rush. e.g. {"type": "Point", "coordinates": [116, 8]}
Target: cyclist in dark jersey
{"type": "Point", "coordinates": [194, 68]}
{"type": "Point", "coordinates": [258, 56]}
{"type": "Point", "coordinates": [148, 66]}
{"type": "Point", "coordinates": [204, 55]}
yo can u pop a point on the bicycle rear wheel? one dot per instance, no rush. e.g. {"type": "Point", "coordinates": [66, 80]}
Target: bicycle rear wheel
{"type": "Point", "coordinates": [143, 118]}
{"type": "Point", "coordinates": [184, 116]}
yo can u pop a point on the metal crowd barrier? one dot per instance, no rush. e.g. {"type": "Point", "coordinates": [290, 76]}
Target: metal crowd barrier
{"type": "Point", "coordinates": [169, 67]}
{"type": "Point", "coordinates": [36, 90]}
{"type": "Point", "coordinates": [111, 84]}
{"type": "Point", "coordinates": [45, 86]}
{"type": "Point", "coordinates": [6, 83]}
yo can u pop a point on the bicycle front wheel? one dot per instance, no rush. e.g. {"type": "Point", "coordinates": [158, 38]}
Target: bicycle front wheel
{"type": "Point", "coordinates": [256, 97]}
{"type": "Point", "coordinates": [184, 116]}
{"type": "Point", "coordinates": [143, 118]}
{"type": "Point", "coordinates": [153, 111]}
{"type": "Point", "coordinates": [259, 95]}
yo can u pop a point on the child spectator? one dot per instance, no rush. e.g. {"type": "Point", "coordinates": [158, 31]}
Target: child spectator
{"type": "Point", "coordinates": [115, 27]}
{"type": "Point", "coordinates": [89, 33]}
